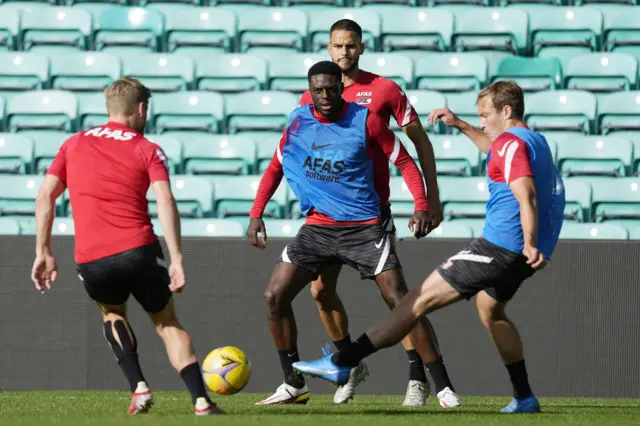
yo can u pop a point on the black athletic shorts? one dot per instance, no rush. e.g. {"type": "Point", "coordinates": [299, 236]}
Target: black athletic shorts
{"type": "Point", "coordinates": [387, 221]}
{"type": "Point", "coordinates": [367, 248]}
{"type": "Point", "coordinates": [485, 266]}
{"type": "Point", "coordinates": [140, 271]}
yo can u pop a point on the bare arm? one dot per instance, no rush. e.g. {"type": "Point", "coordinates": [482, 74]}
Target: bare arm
{"type": "Point", "coordinates": [52, 187]}
{"type": "Point", "coordinates": [524, 190]}
{"type": "Point", "coordinates": [169, 218]}
{"type": "Point", "coordinates": [477, 136]}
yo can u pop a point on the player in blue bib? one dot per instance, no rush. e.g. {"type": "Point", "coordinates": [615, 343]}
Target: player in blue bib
{"type": "Point", "coordinates": [523, 222]}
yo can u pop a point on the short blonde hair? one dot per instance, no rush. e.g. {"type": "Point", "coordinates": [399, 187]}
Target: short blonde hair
{"type": "Point", "coordinates": [505, 93]}
{"type": "Point", "coordinates": [124, 94]}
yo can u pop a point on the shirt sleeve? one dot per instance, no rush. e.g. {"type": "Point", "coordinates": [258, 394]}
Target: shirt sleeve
{"type": "Point", "coordinates": [401, 108]}
{"type": "Point", "coordinates": [58, 167]}
{"type": "Point", "coordinates": [157, 163]}
{"type": "Point", "coordinates": [305, 99]}
{"type": "Point", "coordinates": [270, 181]}
{"type": "Point", "coordinates": [511, 157]}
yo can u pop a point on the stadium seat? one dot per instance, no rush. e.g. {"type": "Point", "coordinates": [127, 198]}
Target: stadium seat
{"type": "Point", "coordinates": [424, 101]}
{"type": "Point", "coordinates": [188, 113]}
{"type": "Point", "coordinates": [320, 21]}
{"type": "Point", "coordinates": [221, 228]}
{"type": "Point", "coordinates": [16, 154]}
{"type": "Point", "coordinates": [161, 72]}
{"type": "Point", "coordinates": [417, 30]}
{"type": "Point", "coordinates": [84, 71]}
{"type": "Point", "coordinates": [602, 72]}
{"type": "Point", "coordinates": [45, 147]}
{"type": "Point", "coordinates": [464, 197]}
{"type": "Point", "coordinates": [283, 228]}
{"type": "Point", "coordinates": [578, 196]}
{"type": "Point", "coordinates": [259, 111]}
{"type": "Point", "coordinates": [622, 30]}
{"type": "Point", "coordinates": [92, 111]}
{"type": "Point", "coordinates": [9, 226]}
{"type": "Point", "coordinates": [476, 225]}
{"type": "Point", "coordinates": [288, 72]}
{"type": "Point", "coordinates": [22, 71]}
{"type": "Point", "coordinates": [62, 226]}
{"type": "Point", "coordinates": [464, 106]}
{"type": "Point", "coordinates": [222, 154]}
{"type": "Point", "coordinates": [9, 28]}
{"type": "Point", "coordinates": [194, 196]}
{"type": "Point", "coordinates": [2, 113]}
{"type": "Point", "coordinates": [18, 195]}
{"type": "Point", "coordinates": [278, 29]}
{"type": "Point", "coordinates": [266, 147]}
{"type": "Point", "coordinates": [593, 231]}
{"type": "Point", "coordinates": [595, 155]}
{"type": "Point", "coordinates": [172, 148]}
{"type": "Point", "coordinates": [532, 74]}
{"type": "Point", "coordinates": [566, 110]}
{"type": "Point", "coordinates": [491, 29]}
{"type": "Point", "coordinates": [42, 110]}
{"type": "Point", "coordinates": [493, 58]}
{"type": "Point", "coordinates": [401, 198]}
{"type": "Point", "coordinates": [61, 28]}
{"type": "Point", "coordinates": [616, 199]}
{"type": "Point", "coordinates": [393, 66]}
{"type": "Point", "coordinates": [95, 9]}
{"type": "Point", "coordinates": [619, 112]}
{"type": "Point", "coordinates": [455, 155]}
{"type": "Point", "coordinates": [451, 72]}
{"type": "Point", "coordinates": [197, 31]}
{"type": "Point", "coordinates": [235, 196]}
{"type": "Point", "coordinates": [231, 73]}
{"type": "Point", "coordinates": [128, 30]}
{"type": "Point", "coordinates": [450, 229]}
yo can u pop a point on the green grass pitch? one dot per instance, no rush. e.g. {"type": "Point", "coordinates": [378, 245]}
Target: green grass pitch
{"type": "Point", "coordinates": [72, 408]}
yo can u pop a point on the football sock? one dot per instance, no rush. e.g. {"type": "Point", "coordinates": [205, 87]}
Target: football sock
{"type": "Point", "coordinates": [125, 348]}
{"type": "Point", "coordinates": [439, 375]}
{"type": "Point", "coordinates": [342, 343]}
{"type": "Point", "coordinates": [287, 358]}
{"type": "Point", "coordinates": [416, 367]}
{"type": "Point", "coordinates": [354, 353]}
{"type": "Point", "coordinates": [519, 379]}
{"type": "Point", "coordinates": [192, 377]}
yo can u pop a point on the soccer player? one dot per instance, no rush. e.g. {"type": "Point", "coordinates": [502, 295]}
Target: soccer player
{"type": "Point", "coordinates": [326, 153]}
{"type": "Point", "coordinates": [107, 171]}
{"type": "Point", "coordinates": [523, 222]}
{"type": "Point", "coordinates": [384, 98]}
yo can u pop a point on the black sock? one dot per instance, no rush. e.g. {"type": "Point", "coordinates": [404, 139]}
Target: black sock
{"type": "Point", "coordinates": [354, 353]}
{"type": "Point", "coordinates": [287, 358]}
{"type": "Point", "coordinates": [343, 343]}
{"type": "Point", "coordinates": [439, 375]}
{"type": "Point", "coordinates": [131, 368]}
{"type": "Point", "coordinates": [416, 367]}
{"type": "Point", "coordinates": [193, 379]}
{"type": "Point", "coordinates": [519, 379]}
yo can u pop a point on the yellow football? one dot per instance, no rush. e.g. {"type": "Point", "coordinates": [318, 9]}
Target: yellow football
{"type": "Point", "coordinates": [226, 370]}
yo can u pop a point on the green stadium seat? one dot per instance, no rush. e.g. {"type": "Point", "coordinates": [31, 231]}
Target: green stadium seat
{"type": "Point", "coordinates": [9, 226]}
{"type": "Point", "coordinates": [288, 72]}
{"type": "Point", "coordinates": [619, 112]}
{"type": "Point", "coordinates": [491, 28]}
{"type": "Point", "coordinates": [221, 154]}
{"type": "Point", "coordinates": [42, 110]}
{"type": "Point", "coordinates": [92, 111]}
{"type": "Point", "coordinates": [401, 198]}
{"type": "Point", "coordinates": [451, 72]}
{"type": "Point", "coordinates": [188, 113]}
{"type": "Point", "coordinates": [464, 106]}
{"type": "Point", "coordinates": [278, 28]}
{"type": "Point", "coordinates": [235, 196]}
{"type": "Point", "coordinates": [622, 30]}
{"type": "Point", "coordinates": [566, 110]}
{"type": "Point", "coordinates": [16, 154]}
{"type": "Point", "coordinates": [60, 27]}
{"type": "Point", "coordinates": [476, 225]}
{"type": "Point", "coordinates": [616, 199]}
{"type": "Point", "coordinates": [259, 111]}
{"type": "Point", "coordinates": [455, 155]}
{"type": "Point", "coordinates": [172, 148]}
{"type": "Point", "coordinates": [578, 196]}
{"type": "Point", "coordinates": [424, 101]}
{"type": "Point", "coordinates": [464, 197]}
{"type": "Point", "coordinates": [593, 231]}
{"type": "Point", "coordinates": [445, 230]}
{"type": "Point", "coordinates": [222, 228]}
{"type": "Point", "coordinates": [197, 31]}
{"type": "Point", "coordinates": [62, 226]}
{"type": "Point", "coordinates": [635, 140]}
{"type": "Point", "coordinates": [416, 30]}
{"type": "Point", "coordinates": [266, 147]}
{"type": "Point", "coordinates": [532, 74]}
{"type": "Point", "coordinates": [283, 228]}
{"type": "Point", "coordinates": [45, 147]}
{"type": "Point", "coordinates": [320, 21]}
{"type": "Point", "coordinates": [231, 73]}
{"type": "Point", "coordinates": [595, 155]}
{"type": "Point", "coordinates": [128, 30]}
{"type": "Point", "coordinates": [18, 195]}
{"type": "Point", "coordinates": [84, 71]}
{"type": "Point", "coordinates": [21, 71]}
{"type": "Point", "coordinates": [161, 72]}
{"type": "Point", "coordinates": [393, 66]}
{"type": "Point", "coordinates": [2, 113]}
{"type": "Point", "coordinates": [602, 72]}
{"type": "Point", "coordinates": [95, 9]}
{"type": "Point", "coordinates": [194, 196]}
{"type": "Point", "coordinates": [9, 28]}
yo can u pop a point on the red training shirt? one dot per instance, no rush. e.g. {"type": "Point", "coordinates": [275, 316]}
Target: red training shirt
{"type": "Point", "coordinates": [379, 139]}
{"type": "Point", "coordinates": [107, 171]}
{"type": "Point", "coordinates": [509, 159]}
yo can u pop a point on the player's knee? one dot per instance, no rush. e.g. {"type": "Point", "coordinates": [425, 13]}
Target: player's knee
{"type": "Point", "coordinates": [321, 294]}
{"type": "Point", "coordinates": [490, 313]}
{"type": "Point", "coordinates": [121, 338]}
{"type": "Point", "coordinates": [272, 301]}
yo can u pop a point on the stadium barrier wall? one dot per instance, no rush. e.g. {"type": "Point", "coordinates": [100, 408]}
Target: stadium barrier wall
{"type": "Point", "coordinates": [579, 320]}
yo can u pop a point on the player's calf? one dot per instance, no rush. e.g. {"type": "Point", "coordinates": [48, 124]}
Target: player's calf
{"type": "Point", "coordinates": [123, 342]}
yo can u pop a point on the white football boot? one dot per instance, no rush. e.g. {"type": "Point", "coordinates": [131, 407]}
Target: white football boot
{"type": "Point", "coordinates": [287, 394]}
{"type": "Point", "coordinates": [417, 393]}
{"type": "Point", "coordinates": [357, 376]}
{"type": "Point", "coordinates": [141, 399]}
{"type": "Point", "coordinates": [448, 398]}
